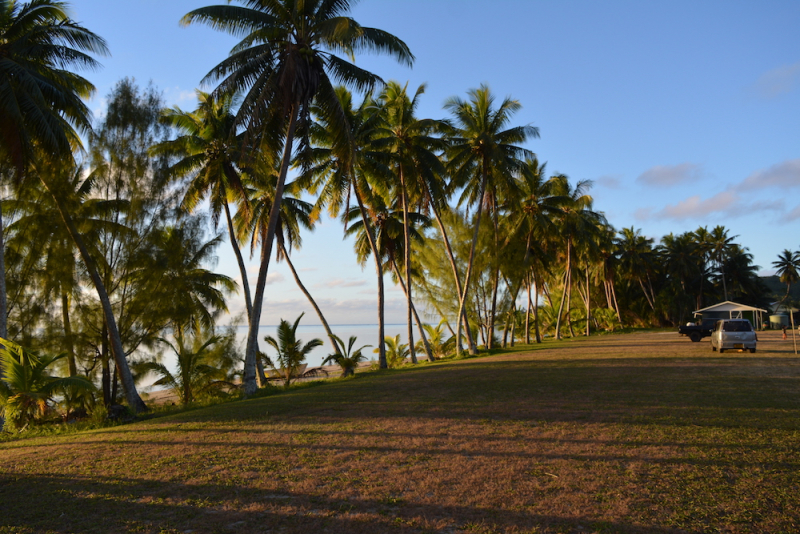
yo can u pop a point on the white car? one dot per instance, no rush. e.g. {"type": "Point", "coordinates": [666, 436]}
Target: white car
{"type": "Point", "coordinates": [737, 334]}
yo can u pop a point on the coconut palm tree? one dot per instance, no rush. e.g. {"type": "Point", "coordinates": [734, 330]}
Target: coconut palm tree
{"type": "Point", "coordinates": [637, 260]}
{"type": "Point", "coordinates": [578, 224]}
{"type": "Point", "coordinates": [720, 247]}
{"type": "Point", "coordinates": [483, 156]}
{"type": "Point", "coordinates": [788, 269]}
{"type": "Point", "coordinates": [412, 145]}
{"type": "Point", "coordinates": [26, 387]}
{"type": "Point", "coordinates": [282, 65]}
{"type": "Point", "coordinates": [209, 150]}
{"type": "Point", "coordinates": [195, 373]}
{"type": "Point", "coordinates": [42, 108]}
{"type": "Point", "coordinates": [346, 358]}
{"type": "Point", "coordinates": [58, 182]}
{"type": "Point", "coordinates": [176, 275]}
{"type": "Point", "coordinates": [396, 352]}
{"type": "Point", "coordinates": [339, 170]}
{"type": "Point", "coordinates": [295, 214]}
{"type": "Point", "coordinates": [291, 351]}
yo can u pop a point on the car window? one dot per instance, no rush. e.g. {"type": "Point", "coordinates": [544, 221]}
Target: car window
{"type": "Point", "coordinates": [736, 326]}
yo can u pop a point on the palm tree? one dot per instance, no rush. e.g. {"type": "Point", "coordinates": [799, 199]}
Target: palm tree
{"type": "Point", "coordinates": [788, 269]}
{"type": "Point", "coordinates": [346, 358]}
{"type": "Point", "coordinates": [177, 276]}
{"type": "Point", "coordinates": [209, 150]}
{"type": "Point", "coordinates": [195, 375]}
{"type": "Point", "coordinates": [702, 238]}
{"type": "Point", "coordinates": [283, 64]}
{"type": "Point", "coordinates": [440, 346]}
{"type": "Point", "coordinates": [538, 207]}
{"type": "Point", "coordinates": [578, 223]}
{"type": "Point", "coordinates": [43, 108]}
{"type": "Point", "coordinates": [27, 387]}
{"type": "Point", "coordinates": [340, 169]}
{"type": "Point", "coordinates": [636, 259]}
{"type": "Point", "coordinates": [295, 214]}
{"type": "Point", "coordinates": [720, 247]}
{"type": "Point", "coordinates": [291, 351]}
{"type": "Point", "coordinates": [483, 156]}
{"type": "Point", "coordinates": [58, 182]}
{"type": "Point", "coordinates": [396, 352]}
{"type": "Point", "coordinates": [412, 146]}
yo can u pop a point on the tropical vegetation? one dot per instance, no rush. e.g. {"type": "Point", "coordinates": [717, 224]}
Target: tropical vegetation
{"type": "Point", "coordinates": [110, 227]}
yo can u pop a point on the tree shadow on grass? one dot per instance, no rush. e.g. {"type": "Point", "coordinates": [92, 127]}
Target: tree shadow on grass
{"type": "Point", "coordinates": [56, 504]}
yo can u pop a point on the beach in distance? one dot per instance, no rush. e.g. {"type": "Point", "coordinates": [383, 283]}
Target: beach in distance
{"type": "Point", "coordinates": [367, 334]}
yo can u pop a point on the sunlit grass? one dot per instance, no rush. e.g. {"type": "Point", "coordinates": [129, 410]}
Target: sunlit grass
{"type": "Point", "coordinates": [625, 433]}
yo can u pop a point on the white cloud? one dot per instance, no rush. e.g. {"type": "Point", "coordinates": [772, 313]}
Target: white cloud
{"type": "Point", "coordinates": [351, 311]}
{"type": "Point", "coordinates": [340, 282]}
{"type": "Point", "coordinates": [610, 181]}
{"type": "Point", "coordinates": [275, 278]}
{"type": "Point", "coordinates": [778, 81]}
{"type": "Point", "coordinates": [726, 203]}
{"type": "Point", "coordinates": [670, 175]}
{"type": "Point", "coordinates": [785, 174]}
{"type": "Point", "coordinates": [694, 207]}
{"type": "Point", "coordinates": [794, 214]}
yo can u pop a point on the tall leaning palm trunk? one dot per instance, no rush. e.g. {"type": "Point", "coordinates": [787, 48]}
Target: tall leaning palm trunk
{"type": "Point", "coordinates": [456, 276]}
{"type": "Point", "coordinates": [420, 327]}
{"type": "Point", "coordinates": [123, 370]}
{"type": "Point", "coordinates": [467, 276]}
{"type": "Point", "coordinates": [268, 237]}
{"type": "Point", "coordinates": [302, 287]}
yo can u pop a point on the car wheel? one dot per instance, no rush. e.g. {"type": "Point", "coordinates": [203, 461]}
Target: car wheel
{"type": "Point", "coordinates": [695, 337]}
{"type": "Point", "coordinates": [752, 351]}
{"type": "Point", "coordinates": [713, 348]}
{"type": "Point", "coordinates": [721, 350]}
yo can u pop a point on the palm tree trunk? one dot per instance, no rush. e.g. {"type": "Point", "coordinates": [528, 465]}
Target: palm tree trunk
{"type": "Point", "coordinates": [569, 304]}
{"type": "Point", "coordinates": [73, 368]}
{"type": "Point", "coordinates": [471, 260]}
{"type": "Point", "coordinates": [128, 386]}
{"type": "Point", "coordinates": [535, 306]}
{"type": "Point", "coordinates": [646, 295]}
{"type": "Point", "coordinates": [588, 302]}
{"type": "Point", "coordinates": [407, 261]}
{"type": "Point", "coordinates": [251, 354]}
{"type": "Point", "coordinates": [528, 316]}
{"type": "Point", "coordinates": [332, 338]}
{"type": "Point", "coordinates": [514, 325]}
{"type": "Point", "coordinates": [456, 276]}
{"type": "Point", "coordinates": [262, 378]}
{"type": "Point", "coordinates": [495, 277]}
{"type": "Point", "coordinates": [3, 299]}
{"type": "Point", "coordinates": [422, 335]}
{"type": "Point", "coordinates": [105, 376]}
{"type": "Point", "coordinates": [616, 305]}
{"type": "Point", "coordinates": [379, 268]}
{"type": "Point", "coordinates": [564, 292]}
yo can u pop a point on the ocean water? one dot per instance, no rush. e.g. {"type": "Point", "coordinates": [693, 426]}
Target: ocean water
{"type": "Point", "coordinates": [367, 334]}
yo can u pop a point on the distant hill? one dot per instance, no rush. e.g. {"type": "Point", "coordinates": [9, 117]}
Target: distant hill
{"type": "Point", "coordinates": [778, 288]}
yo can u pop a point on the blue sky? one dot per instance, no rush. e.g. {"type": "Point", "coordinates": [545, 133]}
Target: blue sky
{"type": "Point", "coordinates": [684, 114]}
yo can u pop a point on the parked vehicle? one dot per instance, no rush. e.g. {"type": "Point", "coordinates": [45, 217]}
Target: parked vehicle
{"type": "Point", "coordinates": [697, 331]}
{"type": "Point", "coordinates": [736, 334]}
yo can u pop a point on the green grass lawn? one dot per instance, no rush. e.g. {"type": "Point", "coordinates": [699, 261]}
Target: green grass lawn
{"type": "Point", "coordinates": [622, 433]}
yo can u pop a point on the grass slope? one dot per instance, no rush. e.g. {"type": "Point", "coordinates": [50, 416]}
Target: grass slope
{"type": "Point", "coordinates": [627, 433]}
